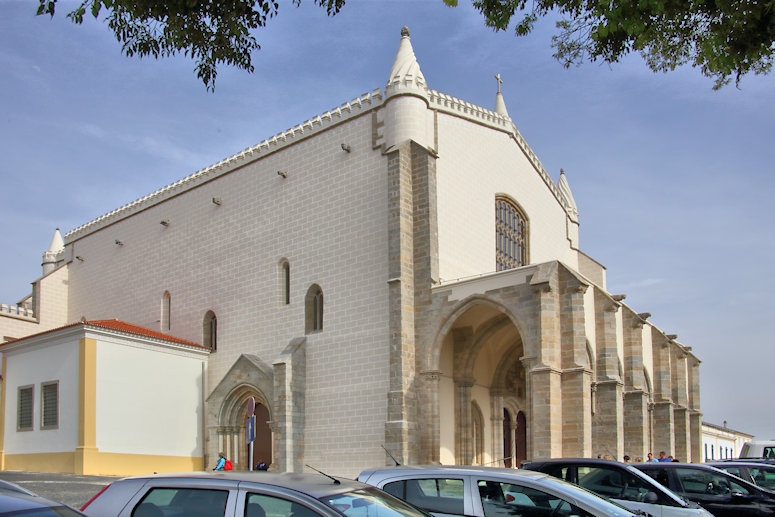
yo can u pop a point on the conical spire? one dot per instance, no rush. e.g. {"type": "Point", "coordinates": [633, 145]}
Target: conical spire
{"type": "Point", "coordinates": [51, 255]}
{"type": "Point", "coordinates": [57, 244]}
{"type": "Point", "coordinates": [500, 105]}
{"type": "Point", "coordinates": [405, 75]}
{"type": "Point", "coordinates": [567, 195]}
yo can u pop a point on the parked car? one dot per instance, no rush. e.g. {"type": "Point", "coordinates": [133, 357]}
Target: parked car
{"type": "Point", "coordinates": [761, 473]}
{"type": "Point", "coordinates": [244, 494]}
{"type": "Point", "coordinates": [488, 492]}
{"type": "Point", "coordinates": [758, 449]}
{"type": "Point", "coordinates": [621, 482]}
{"type": "Point", "coordinates": [722, 494]}
{"type": "Point", "coordinates": [20, 503]}
{"type": "Point", "coordinates": [7, 485]}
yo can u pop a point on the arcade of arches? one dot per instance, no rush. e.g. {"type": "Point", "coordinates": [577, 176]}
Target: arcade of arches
{"type": "Point", "coordinates": [526, 363]}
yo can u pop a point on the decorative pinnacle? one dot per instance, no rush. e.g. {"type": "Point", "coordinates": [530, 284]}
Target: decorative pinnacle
{"type": "Point", "coordinates": [404, 31]}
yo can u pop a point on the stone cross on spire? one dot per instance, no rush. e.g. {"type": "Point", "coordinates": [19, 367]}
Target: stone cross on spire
{"type": "Point", "coordinates": [500, 105]}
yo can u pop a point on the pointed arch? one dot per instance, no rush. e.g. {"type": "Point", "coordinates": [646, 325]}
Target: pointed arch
{"type": "Point", "coordinates": [477, 359]}
{"type": "Point", "coordinates": [226, 407]}
{"type": "Point", "coordinates": [452, 317]}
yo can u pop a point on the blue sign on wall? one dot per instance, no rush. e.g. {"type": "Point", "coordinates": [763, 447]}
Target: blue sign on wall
{"type": "Point", "coordinates": [251, 428]}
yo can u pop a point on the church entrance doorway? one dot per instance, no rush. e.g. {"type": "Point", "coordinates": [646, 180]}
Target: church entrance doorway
{"type": "Point", "coordinates": [262, 445]}
{"type": "Point", "coordinates": [482, 389]}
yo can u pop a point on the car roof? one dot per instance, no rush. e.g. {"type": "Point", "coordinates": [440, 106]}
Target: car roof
{"type": "Point", "coordinates": [586, 461]}
{"type": "Point", "coordinates": [317, 485]}
{"type": "Point", "coordinates": [674, 464]}
{"type": "Point", "coordinates": [451, 470]}
{"type": "Point", "coordinates": [745, 461]}
{"type": "Point", "coordinates": [7, 485]}
{"type": "Point", "coordinates": [698, 466]}
{"type": "Point", "coordinates": [15, 501]}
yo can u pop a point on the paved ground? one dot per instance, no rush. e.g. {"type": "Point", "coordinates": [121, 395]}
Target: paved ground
{"type": "Point", "coordinates": [71, 489]}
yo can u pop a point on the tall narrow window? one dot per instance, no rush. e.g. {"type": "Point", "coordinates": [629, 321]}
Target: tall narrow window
{"type": "Point", "coordinates": [313, 309]}
{"type": "Point", "coordinates": [210, 331]}
{"type": "Point", "coordinates": [166, 311]}
{"type": "Point", "coordinates": [49, 394]}
{"type": "Point", "coordinates": [511, 235]}
{"type": "Point", "coordinates": [285, 274]}
{"type": "Point", "coordinates": [24, 409]}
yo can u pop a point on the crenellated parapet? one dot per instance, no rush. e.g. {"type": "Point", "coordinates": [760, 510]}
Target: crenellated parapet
{"type": "Point", "coordinates": [445, 103]}
{"type": "Point", "coordinates": [17, 311]}
{"type": "Point", "coordinates": [313, 126]}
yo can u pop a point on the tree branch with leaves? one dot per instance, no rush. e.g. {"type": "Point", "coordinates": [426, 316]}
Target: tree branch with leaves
{"type": "Point", "coordinates": [725, 39]}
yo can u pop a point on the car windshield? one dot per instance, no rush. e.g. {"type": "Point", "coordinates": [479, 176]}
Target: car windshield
{"type": "Point", "coordinates": [586, 497]}
{"type": "Point", "coordinates": [370, 502]}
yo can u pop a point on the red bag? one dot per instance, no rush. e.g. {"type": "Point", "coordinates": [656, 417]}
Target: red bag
{"type": "Point", "coordinates": [228, 465]}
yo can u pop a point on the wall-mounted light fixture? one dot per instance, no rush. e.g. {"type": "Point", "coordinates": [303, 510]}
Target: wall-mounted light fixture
{"type": "Point", "coordinates": [217, 201]}
{"type": "Point", "coordinates": [282, 174]}
{"type": "Point", "coordinates": [79, 258]}
{"type": "Point", "coordinates": [346, 148]}
{"type": "Point", "coordinates": [164, 222]}
{"type": "Point", "coordinates": [119, 242]}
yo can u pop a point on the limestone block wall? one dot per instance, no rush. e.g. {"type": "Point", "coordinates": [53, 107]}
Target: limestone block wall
{"type": "Point", "coordinates": [475, 164]}
{"type": "Point", "coordinates": [49, 296]}
{"type": "Point", "coordinates": [326, 217]}
{"type": "Point", "coordinates": [14, 325]}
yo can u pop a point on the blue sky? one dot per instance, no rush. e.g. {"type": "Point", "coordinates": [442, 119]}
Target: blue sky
{"type": "Point", "coordinates": [674, 181]}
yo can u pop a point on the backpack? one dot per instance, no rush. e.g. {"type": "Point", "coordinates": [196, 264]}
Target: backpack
{"type": "Point", "coordinates": [228, 465]}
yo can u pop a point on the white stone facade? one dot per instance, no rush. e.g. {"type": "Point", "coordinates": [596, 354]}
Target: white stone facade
{"type": "Point", "coordinates": [385, 204]}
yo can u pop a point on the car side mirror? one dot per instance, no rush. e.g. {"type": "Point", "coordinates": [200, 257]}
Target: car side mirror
{"type": "Point", "coordinates": [651, 498]}
{"type": "Point", "coordinates": [737, 496]}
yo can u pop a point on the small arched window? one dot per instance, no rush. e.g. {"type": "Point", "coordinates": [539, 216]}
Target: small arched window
{"type": "Point", "coordinates": [285, 282]}
{"type": "Point", "coordinates": [210, 331]}
{"type": "Point", "coordinates": [511, 235]}
{"type": "Point", "coordinates": [166, 311]}
{"type": "Point", "coordinates": [313, 309]}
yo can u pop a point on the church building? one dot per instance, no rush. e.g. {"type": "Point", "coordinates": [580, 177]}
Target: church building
{"type": "Point", "coordinates": [398, 276]}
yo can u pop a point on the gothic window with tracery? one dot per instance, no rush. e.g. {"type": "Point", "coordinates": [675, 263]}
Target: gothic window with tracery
{"type": "Point", "coordinates": [511, 237]}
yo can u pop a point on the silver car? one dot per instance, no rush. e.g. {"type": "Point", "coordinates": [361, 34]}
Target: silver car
{"type": "Point", "coordinates": [489, 492]}
{"type": "Point", "coordinates": [244, 494]}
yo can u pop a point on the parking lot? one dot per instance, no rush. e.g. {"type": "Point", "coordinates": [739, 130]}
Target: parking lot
{"type": "Point", "coordinates": [71, 489]}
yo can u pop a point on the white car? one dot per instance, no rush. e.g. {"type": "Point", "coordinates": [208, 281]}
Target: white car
{"type": "Point", "coordinates": [758, 449]}
{"type": "Point", "coordinates": [489, 492]}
